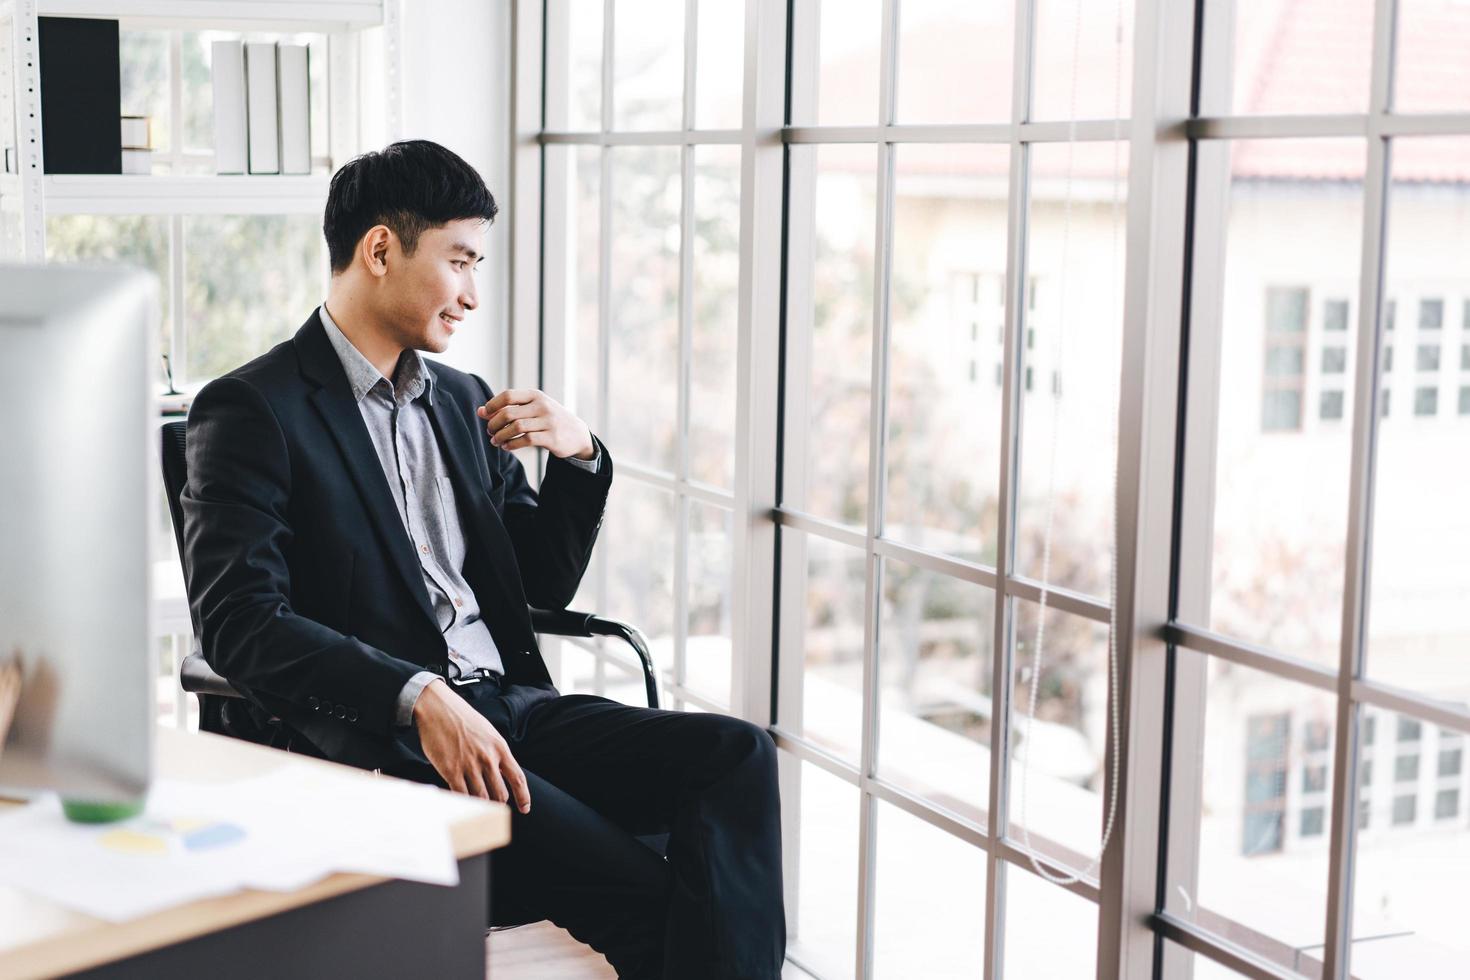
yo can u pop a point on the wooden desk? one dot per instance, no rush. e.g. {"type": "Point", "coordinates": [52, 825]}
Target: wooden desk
{"type": "Point", "coordinates": [344, 925]}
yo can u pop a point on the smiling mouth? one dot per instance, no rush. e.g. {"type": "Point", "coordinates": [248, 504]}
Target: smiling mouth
{"type": "Point", "coordinates": [449, 321]}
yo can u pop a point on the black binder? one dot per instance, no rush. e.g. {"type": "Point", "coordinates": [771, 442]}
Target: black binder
{"type": "Point", "coordinates": [81, 96]}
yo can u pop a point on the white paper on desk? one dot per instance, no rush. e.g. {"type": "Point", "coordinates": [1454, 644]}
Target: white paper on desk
{"type": "Point", "coordinates": [196, 840]}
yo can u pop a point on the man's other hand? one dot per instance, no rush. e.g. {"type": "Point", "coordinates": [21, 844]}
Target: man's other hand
{"type": "Point", "coordinates": [521, 417]}
{"type": "Point", "coordinates": [466, 749]}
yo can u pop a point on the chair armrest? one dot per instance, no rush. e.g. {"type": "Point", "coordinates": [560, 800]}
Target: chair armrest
{"type": "Point", "coordinates": [197, 677]}
{"type": "Point", "coordinates": [568, 622]}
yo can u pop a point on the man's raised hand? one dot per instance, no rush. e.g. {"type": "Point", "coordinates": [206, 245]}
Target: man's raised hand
{"type": "Point", "coordinates": [521, 417]}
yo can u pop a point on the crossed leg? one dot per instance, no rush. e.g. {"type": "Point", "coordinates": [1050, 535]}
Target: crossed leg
{"type": "Point", "coordinates": [599, 773]}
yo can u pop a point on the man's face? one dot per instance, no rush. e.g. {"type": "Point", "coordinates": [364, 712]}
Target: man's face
{"type": "Point", "coordinates": [426, 294]}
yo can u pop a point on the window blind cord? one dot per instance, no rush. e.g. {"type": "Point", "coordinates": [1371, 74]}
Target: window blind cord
{"type": "Point", "coordinates": [1056, 395]}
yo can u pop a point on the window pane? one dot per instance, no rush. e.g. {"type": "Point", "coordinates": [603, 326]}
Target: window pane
{"type": "Point", "coordinates": [1276, 567]}
{"type": "Point", "coordinates": [954, 61]}
{"type": "Point", "coordinates": [944, 935]}
{"type": "Point", "coordinates": [1076, 265]}
{"type": "Point", "coordinates": [648, 65]}
{"type": "Point", "coordinates": [143, 67]}
{"type": "Point", "coordinates": [937, 634]}
{"type": "Point", "coordinates": [249, 282]}
{"type": "Point", "coordinates": [1331, 405]}
{"type": "Point", "coordinates": [710, 567]}
{"type": "Point", "coordinates": [825, 933]}
{"type": "Point", "coordinates": [644, 328]}
{"type": "Point", "coordinates": [1283, 57]}
{"type": "Point", "coordinates": [1259, 874]}
{"type": "Point", "coordinates": [1431, 73]}
{"type": "Point", "coordinates": [627, 685]}
{"type": "Point", "coordinates": [1409, 868]}
{"type": "Point", "coordinates": [577, 672]}
{"type": "Point", "coordinates": [637, 542]}
{"type": "Point", "coordinates": [948, 312]}
{"type": "Point", "coordinates": [825, 630]}
{"type": "Point", "coordinates": [1050, 932]}
{"type": "Point", "coordinates": [1061, 796]}
{"type": "Point", "coordinates": [1419, 606]}
{"type": "Point", "coordinates": [829, 327]}
{"type": "Point", "coordinates": [1286, 309]}
{"type": "Point", "coordinates": [719, 79]}
{"type": "Point", "coordinates": [1284, 361]}
{"type": "Point", "coordinates": [1334, 360]}
{"type": "Point", "coordinates": [573, 176]}
{"type": "Point", "coordinates": [835, 71]}
{"type": "Point", "coordinates": [574, 64]}
{"type": "Point", "coordinates": [716, 327]}
{"type": "Point", "coordinates": [196, 66]}
{"type": "Point", "coordinates": [1281, 411]}
{"type": "Point", "coordinates": [140, 240]}
{"type": "Point", "coordinates": [1199, 967]}
{"type": "Point", "coordinates": [1426, 357]}
{"type": "Point", "coordinates": [1097, 82]}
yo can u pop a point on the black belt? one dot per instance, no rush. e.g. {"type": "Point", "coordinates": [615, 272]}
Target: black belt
{"type": "Point", "coordinates": [474, 677]}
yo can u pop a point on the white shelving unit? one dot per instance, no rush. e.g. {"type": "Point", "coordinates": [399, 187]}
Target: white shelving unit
{"type": "Point", "coordinates": [113, 194]}
{"type": "Point", "coordinates": [33, 195]}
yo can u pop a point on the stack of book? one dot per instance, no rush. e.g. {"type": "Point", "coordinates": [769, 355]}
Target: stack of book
{"type": "Point", "coordinates": [262, 108]}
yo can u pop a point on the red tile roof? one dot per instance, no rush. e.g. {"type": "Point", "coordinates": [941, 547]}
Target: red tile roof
{"type": "Point", "coordinates": [1291, 57]}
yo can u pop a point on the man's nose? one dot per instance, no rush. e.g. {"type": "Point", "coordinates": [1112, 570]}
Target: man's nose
{"type": "Point", "coordinates": [470, 298]}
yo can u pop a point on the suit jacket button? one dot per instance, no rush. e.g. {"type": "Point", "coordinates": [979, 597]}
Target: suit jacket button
{"type": "Point", "coordinates": [352, 715]}
{"type": "Point", "coordinates": [340, 712]}
{"type": "Point", "coordinates": [314, 704]}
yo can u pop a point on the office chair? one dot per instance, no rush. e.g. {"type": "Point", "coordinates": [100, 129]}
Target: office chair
{"type": "Point", "coordinates": [216, 693]}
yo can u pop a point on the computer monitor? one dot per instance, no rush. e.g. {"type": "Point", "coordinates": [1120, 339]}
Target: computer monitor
{"type": "Point", "coordinates": [79, 475]}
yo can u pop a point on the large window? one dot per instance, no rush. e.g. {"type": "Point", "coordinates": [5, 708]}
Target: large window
{"type": "Point", "coordinates": [642, 263]}
{"type": "Point", "coordinates": [985, 244]}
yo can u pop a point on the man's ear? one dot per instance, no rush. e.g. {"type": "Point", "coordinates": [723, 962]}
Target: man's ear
{"type": "Point", "coordinates": [374, 249]}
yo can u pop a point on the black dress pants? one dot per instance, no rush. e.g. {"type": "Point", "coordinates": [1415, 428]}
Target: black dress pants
{"type": "Point", "coordinates": [601, 774]}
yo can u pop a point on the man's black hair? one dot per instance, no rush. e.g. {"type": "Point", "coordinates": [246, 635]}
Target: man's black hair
{"type": "Point", "coordinates": [410, 186]}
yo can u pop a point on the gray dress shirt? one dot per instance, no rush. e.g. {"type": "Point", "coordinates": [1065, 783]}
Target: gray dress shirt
{"type": "Point", "coordinates": [398, 423]}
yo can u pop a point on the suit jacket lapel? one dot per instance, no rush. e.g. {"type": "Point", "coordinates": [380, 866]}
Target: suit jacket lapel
{"type": "Point", "coordinates": [333, 399]}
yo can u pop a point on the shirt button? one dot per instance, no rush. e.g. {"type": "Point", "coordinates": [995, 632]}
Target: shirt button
{"type": "Point", "coordinates": [458, 601]}
{"type": "Point", "coordinates": [424, 548]}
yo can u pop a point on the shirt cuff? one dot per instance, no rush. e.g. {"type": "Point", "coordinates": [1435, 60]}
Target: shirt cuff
{"type": "Point", "coordinates": [590, 465]}
{"type": "Point", "coordinates": [403, 711]}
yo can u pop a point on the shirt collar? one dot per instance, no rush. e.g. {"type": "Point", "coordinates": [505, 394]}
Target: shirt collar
{"type": "Point", "coordinates": [411, 376]}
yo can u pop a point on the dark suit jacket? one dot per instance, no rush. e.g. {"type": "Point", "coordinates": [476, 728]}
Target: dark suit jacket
{"type": "Point", "coordinates": [302, 580]}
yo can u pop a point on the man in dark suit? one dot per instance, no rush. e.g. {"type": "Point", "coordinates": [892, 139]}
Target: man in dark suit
{"type": "Point", "coordinates": [361, 548]}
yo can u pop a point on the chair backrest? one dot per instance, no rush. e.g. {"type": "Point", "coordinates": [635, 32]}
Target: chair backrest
{"type": "Point", "coordinates": [175, 476]}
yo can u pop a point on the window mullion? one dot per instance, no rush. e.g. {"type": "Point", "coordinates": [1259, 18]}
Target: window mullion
{"type": "Point", "coordinates": [1010, 428]}
{"type": "Point", "coordinates": [877, 446]}
{"type": "Point", "coordinates": [1366, 417]}
{"type": "Point", "coordinates": [178, 358]}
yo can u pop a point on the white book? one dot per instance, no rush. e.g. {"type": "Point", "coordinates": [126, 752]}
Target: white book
{"type": "Point", "coordinates": [261, 111]}
{"type": "Point", "coordinates": [230, 139]}
{"type": "Point", "coordinates": [136, 132]}
{"type": "Point", "coordinates": [136, 160]}
{"type": "Point", "coordinates": [292, 76]}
